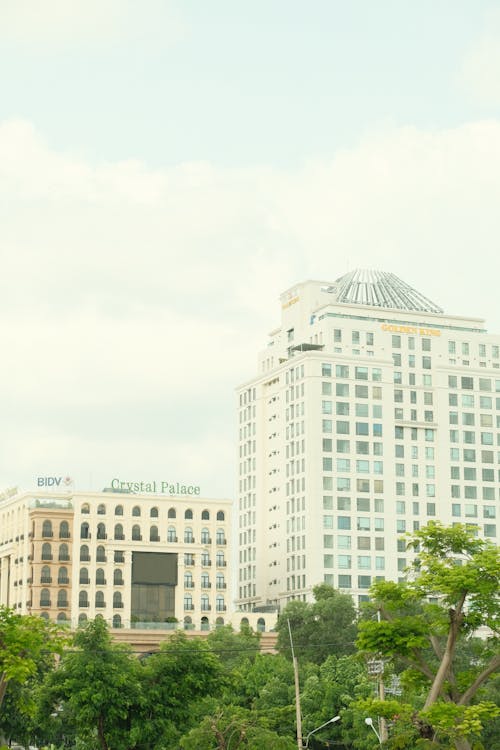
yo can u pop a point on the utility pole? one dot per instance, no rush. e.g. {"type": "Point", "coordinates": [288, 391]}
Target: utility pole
{"type": "Point", "coordinates": [297, 691]}
{"type": "Point", "coordinates": [384, 734]}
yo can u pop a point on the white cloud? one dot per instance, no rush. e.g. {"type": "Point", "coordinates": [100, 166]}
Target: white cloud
{"type": "Point", "coordinates": [63, 22]}
{"type": "Point", "coordinates": [133, 301]}
{"type": "Point", "coordinates": [480, 73]}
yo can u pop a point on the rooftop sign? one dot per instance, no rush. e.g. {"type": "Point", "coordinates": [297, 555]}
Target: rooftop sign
{"type": "Point", "coordinates": [162, 487]}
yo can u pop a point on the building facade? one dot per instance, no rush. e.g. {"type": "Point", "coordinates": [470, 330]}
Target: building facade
{"type": "Point", "coordinates": [372, 413]}
{"type": "Point", "coordinates": [139, 560]}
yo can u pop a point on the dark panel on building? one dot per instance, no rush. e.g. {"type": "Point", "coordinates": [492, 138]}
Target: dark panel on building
{"type": "Point", "coordinates": [154, 567]}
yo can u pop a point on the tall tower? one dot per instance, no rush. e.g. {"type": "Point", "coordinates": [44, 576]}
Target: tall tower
{"type": "Point", "coordinates": [372, 413]}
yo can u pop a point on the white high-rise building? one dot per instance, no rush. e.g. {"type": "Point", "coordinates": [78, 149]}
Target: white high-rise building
{"type": "Point", "coordinates": [372, 413]}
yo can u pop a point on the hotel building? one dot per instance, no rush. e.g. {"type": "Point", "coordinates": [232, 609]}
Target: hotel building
{"type": "Point", "coordinates": [139, 560]}
{"type": "Point", "coordinates": [372, 412]}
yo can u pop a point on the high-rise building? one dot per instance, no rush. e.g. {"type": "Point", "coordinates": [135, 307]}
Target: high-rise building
{"type": "Point", "coordinates": [372, 413]}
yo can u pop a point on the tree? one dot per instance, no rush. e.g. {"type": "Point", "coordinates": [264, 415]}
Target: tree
{"type": "Point", "coordinates": [234, 728]}
{"type": "Point", "coordinates": [97, 687]}
{"type": "Point", "coordinates": [25, 642]}
{"type": "Point", "coordinates": [451, 590]}
{"type": "Point", "coordinates": [174, 681]}
{"type": "Point", "coordinates": [327, 626]}
{"type": "Point", "coordinates": [233, 648]}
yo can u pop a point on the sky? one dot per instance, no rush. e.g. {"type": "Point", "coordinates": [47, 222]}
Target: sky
{"type": "Point", "coordinates": [168, 168]}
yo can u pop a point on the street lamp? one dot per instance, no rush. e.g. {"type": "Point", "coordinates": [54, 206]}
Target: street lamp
{"type": "Point", "coordinates": [330, 721]}
{"type": "Point", "coordinates": [369, 722]}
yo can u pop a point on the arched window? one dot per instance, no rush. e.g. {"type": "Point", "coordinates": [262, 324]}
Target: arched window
{"type": "Point", "coordinates": [46, 551]}
{"type": "Point", "coordinates": [45, 576]}
{"type": "Point", "coordinates": [117, 600]}
{"type": "Point", "coordinates": [188, 514]}
{"type": "Point", "coordinates": [47, 529]}
{"type": "Point", "coordinates": [188, 535]}
{"type": "Point", "coordinates": [84, 575]}
{"type": "Point", "coordinates": [62, 576]}
{"type": "Point", "coordinates": [64, 530]}
{"type": "Point", "coordinates": [244, 622]}
{"type": "Point", "coordinates": [117, 577]}
{"type": "Point", "coordinates": [188, 623]}
{"type": "Point", "coordinates": [219, 581]}
{"type": "Point", "coordinates": [153, 534]}
{"type": "Point", "coordinates": [171, 513]}
{"type": "Point", "coordinates": [221, 563]}
{"type": "Point", "coordinates": [44, 598]}
{"type": "Point", "coordinates": [63, 552]}
{"type": "Point", "coordinates": [205, 536]}
{"type": "Point", "coordinates": [205, 515]}
{"type": "Point", "coordinates": [44, 615]}
{"type": "Point", "coordinates": [153, 513]}
{"type": "Point", "coordinates": [101, 531]}
{"type": "Point", "coordinates": [136, 533]}
{"type": "Point", "coordinates": [117, 621]}
{"type": "Point", "coordinates": [261, 625]}
{"type": "Point", "coordinates": [100, 555]}
{"type": "Point", "coordinates": [220, 515]}
{"type": "Point", "coordinates": [219, 604]}
{"type": "Point", "coordinates": [99, 577]}
{"type": "Point", "coordinates": [119, 510]}
{"type": "Point", "coordinates": [82, 617]}
{"type": "Point", "coordinates": [188, 602]}
{"type": "Point", "coordinates": [83, 599]}
{"type": "Point", "coordinates": [205, 625]}
{"type": "Point", "coordinates": [188, 580]}
{"type": "Point", "coordinates": [84, 531]}
{"type": "Point", "coordinates": [205, 581]}
{"type": "Point", "coordinates": [205, 603]}
{"type": "Point", "coordinates": [84, 553]}
{"type": "Point", "coordinates": [61, 617]}
{"type": "Point", "coordinates": [205, 558]}
{"type": "Point", "coordinates": [85, 508]}
{"type": "Point", "coordinates": [119, 531]}
{"type": "Point", "coordinates": [136, 511]}
{"type": "Point", "coordinates": [101, 509]}
{"type": "Point", "coordinates": [171, 535]}
{"type": "Point", "coordinates": [220, 537]}
{"type": "Point", "coordinates": [219, 622]}
{"type": "Point", "coordinates": [99, 599]}
{"type": "Point", "coordinates": [62, 598]}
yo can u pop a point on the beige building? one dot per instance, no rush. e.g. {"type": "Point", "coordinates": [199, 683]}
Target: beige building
{"type": "Point", "coordinates": [142, 561]}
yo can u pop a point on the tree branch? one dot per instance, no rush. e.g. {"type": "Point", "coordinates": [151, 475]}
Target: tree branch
{"type": "Point", "coordinates": [492, 667]}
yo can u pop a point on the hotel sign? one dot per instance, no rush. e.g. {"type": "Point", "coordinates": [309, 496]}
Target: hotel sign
{"type": "Point", "coordinates": [162, 487]}
{"type": "Point", "coordinates": [412, 330]}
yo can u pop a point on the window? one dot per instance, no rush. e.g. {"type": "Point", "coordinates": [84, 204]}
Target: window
{"type": "Point", "coordinates": [171, 513]}
{"type": "Point", "coordinates": [136, 511]}
{"type": "Point", "coordinates": [326, 370]}
{"type": "Point", "coordinates": [344, 561]}
{"type": "Point", "coordinates": [344, 522]}
{"type": "Point", "coordinates": [342, 408]}
{"type": "Point", "coordinates": [119, 510]}
{"type": "Point", "coordinates": [342, 390]}
{"type": "Point", "coordinates": [188, 535]}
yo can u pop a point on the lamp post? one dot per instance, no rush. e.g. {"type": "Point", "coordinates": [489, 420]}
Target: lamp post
{"type": "Point", "coordinates": [330, 721]}
{"type": "Point", "coordinates": [369, 722]}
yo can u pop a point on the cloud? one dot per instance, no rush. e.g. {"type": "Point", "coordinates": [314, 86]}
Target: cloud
{"type": "Point", "coordinates": [133, 301]}
{"type": "Point", "coordinates": [56, 23]}
{"type": "Point", "coordinates": [480, 72]}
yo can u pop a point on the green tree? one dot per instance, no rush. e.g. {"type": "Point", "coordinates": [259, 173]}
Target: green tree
{"type": "Point", "coordinates": [233, 648]}
{"type": "Point", "coordinates": [25, 642]}
{"type": "Point", "coordinates": [97, 687]}
{"type": "Point", "coordinates": [327, 626]}
{"type": "Point", "coordinates": [451, 590]}
{"type": "Point", "coordinates": [234, 728]}
{"type": "Point", "coordinates": [174, 681]}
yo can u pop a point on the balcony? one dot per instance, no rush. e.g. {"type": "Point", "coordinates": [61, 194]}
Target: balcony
{"type": "Point", "coordinates": [62, 604]}
{"type": "Point", "coordinates": [63, 581]}
{"type": "Point", "coordinates": [100, 605]}
{"type": "Point", "coordinates": [221, 563]}
{"type": "Point", "coordinates": [189, 607]}
{"type": "Point", "coordinates": [206, 563]}
{"type": "Point", "coordinates": [206, 540]}
{"type": "Point", "coordinates": [47, 556]}
{"type": "Point", "coordinates": [83, 604]}
{"type": "Point", "coordinates": [64, 535]}
{"type": "Point", "coordinates": [221, 541]}
{"type": "Point", "coordinates": [101, 535]}
{"type": "Point", "coordinates": [118, 583]}
{"type": "Point", "coordinates": [117, 605]}
{"type": "Point", "coordinates": [154, 538]}
{"type": "Point", "coordinates": [189, 584]}
{"type": "Point", "coordinates": [45, 603]}
{"type": "Point", "coordinates": [64, 558]}
{"type": "Point", "coordinates": [172, 539]}
{"type": "Point", "coordinates": [119, 537]}
{"type": "Point", "coordinates": [46, 579]}
{"type": "Point", "coordinates": [206, 585]}
{"type": "Point", "coordinates": [84, 558]}
{"type": "Point", "coordinates": [221, 608]}
{"type": "Point", "coordinates": [137, 538]}
{"type": "Point", "coordinates": [189, 540]}
{"type": "Point", "coordinates": [84, 581]}
{"type": "Point", "coordinates": [221, 586]}
{"type": "Point", "coordinates": [119, 558]}
{"type": "Point", "coordinates": [100, 582]}
{"type": "Point", "coordinates": [101, 558]}
{"type": "Point", "coordinates": [47, 534]}
{"type": "Point", "coordinates": [206, 607]}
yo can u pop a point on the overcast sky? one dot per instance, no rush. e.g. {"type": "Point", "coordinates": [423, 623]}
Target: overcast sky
{"type": "Point", "coordinates": [167, 169]}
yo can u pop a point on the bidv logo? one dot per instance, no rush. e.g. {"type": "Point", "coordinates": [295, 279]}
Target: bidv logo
{"type": "Point", "coordinates": [53, 481]}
